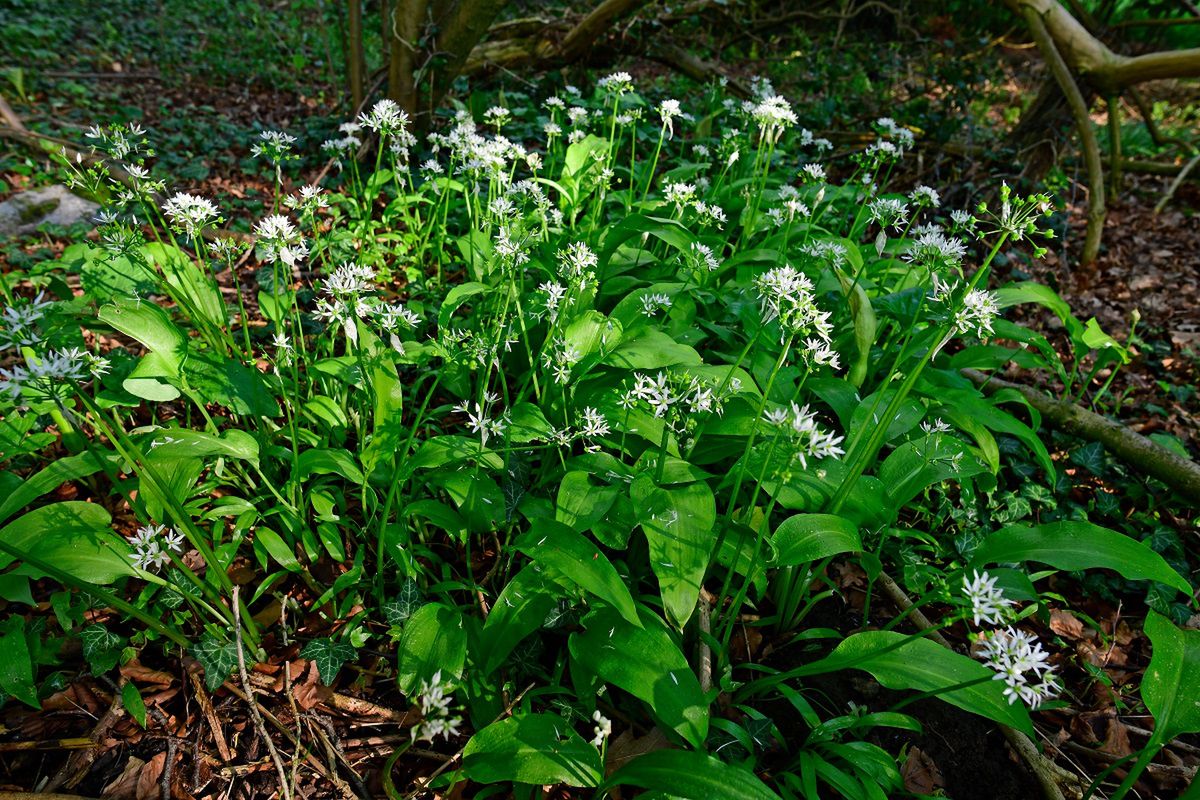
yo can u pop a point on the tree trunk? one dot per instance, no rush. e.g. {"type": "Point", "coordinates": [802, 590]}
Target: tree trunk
{"type": "Point", "coordinates": [354, 52]}
{"type": "Point", "coordinates": [460, 28]}
{"type": "Point", "coordinates": [405, 30]}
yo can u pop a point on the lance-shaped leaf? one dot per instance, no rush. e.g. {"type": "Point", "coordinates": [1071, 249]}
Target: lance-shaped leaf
{"type": "Point", "coordinates": [678, 523]}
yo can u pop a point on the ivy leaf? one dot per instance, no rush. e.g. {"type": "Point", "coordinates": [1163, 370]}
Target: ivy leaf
{"type": "Point", "coordinates": [397, 610]}
{"type": "Point", "coordinates": [218, 659]}
{"type": "Point", "coordinates": [329, 657]}
{"type": "Point", "coordinates": [101, 648]}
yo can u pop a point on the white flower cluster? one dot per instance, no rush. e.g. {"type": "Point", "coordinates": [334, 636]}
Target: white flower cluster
{"type": "Point", "coordinates": [52, 373]}
{"type": "Point", "coordinates": [481, 421]}
{"type": "Point", "coordinates": [808, 439]}
{"type": "Point", "coordinates": [19, 323]}
{"type": "Point", "coordinates": [309, 200]}
{"type": "Point", "coordinates": [670, 395]}
{"type": "Point", "coordinates": [602, 730]}
{"type": "Point", "coordinates": [616, 83]}
{"type": "Point", "coordinates": [1018, 659]}
{"type": "Point", "coordinates": [577, 264]}
{"type": "Point", "coordinates": [669, 110]}
{"type": "Point", "coordinates": [275, 146]}
{"type": "Point", "coordinates": [1015, 656]}
{"type": "Point", "coordinates": [122, 142]}
{"type": "Point", "coordinates": [933, 249]}
{"type": "Point", "coordinates": [787, 294]}
{"type": "Point", "coordinates": [190, 214]}
{"type": "Point", "coordinates": [385, 118]}
{"type": "Point", "coordinates": [889, 212]}
{"type": "Point", "coordinates": [280, 240]}
{"type": "Point", "coordinates": [346, 297]}
{"type": "Point", "coordinates": [773, 114]}
{"type": "Point", "coordinates": [153, 545]}
{"type": "Point", "coordinates": [436, 719]}
{"type": "Point", "coordinates": [988, 603]}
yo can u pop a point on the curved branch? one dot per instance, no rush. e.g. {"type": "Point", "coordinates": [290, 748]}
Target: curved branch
{"type": "Point", "coordinates": [1107, 70]}
{"type": "Point", "coordinates": [1083, 123]}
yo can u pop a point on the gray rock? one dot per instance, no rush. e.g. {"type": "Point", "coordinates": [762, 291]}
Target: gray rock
{"type": "Point", "coordinates": [22, 213]}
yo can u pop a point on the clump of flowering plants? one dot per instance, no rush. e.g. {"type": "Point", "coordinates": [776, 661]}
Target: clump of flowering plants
{"type": "Point", "coordinates": [543, 405]}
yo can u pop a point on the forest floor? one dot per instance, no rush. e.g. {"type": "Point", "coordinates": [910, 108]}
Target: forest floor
{"type": "Point", "coordinates": [1150, 266]}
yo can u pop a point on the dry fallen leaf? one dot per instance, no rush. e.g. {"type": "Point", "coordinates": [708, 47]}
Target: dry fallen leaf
{"type": "Point", "coordinates": [148, 781]}
{"type": "Point", "coordinates": [124, 786]}
{"type": "Point", "coordinates": [1065, 624]}
{"type": "Point", "coordinates": [921, 774]}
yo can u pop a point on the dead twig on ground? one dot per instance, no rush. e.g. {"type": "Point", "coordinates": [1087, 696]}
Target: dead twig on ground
{"type": "Point", "coordinates": [254, 713]}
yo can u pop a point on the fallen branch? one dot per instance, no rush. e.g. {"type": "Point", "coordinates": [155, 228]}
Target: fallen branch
{"type": "Point", "coordinates": [1179, 179]}
{"type": "Point", "coordinates": [1181, 474]}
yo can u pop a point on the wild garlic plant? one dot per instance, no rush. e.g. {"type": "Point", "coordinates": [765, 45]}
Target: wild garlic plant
{"type": "Point", "coordinates": [573, 362]}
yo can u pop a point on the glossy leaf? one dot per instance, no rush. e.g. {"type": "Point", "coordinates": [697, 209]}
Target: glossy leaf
{"type": "Point", "coordinates": [1171, 685]}
{"type": "Point", "coordinates": [520, 610]}
{"type": "Point", "coordinates": [691, 776]}
{"type": "Point", "coordinates": [434, 640]}
{"type": "Point", "coordinates": [570, 553]}
{"type": "Point", "coordinates": [647, 663]}
{"type": "Point", "coordinates": [908, 662]}
{"type": "Point", "coordinates": [678, 523]}
{"type": "Point", "coordinates": [809, 537]}
{"type": "Point", "coordinates": [1073, 545]}
{"type": "Point", "coordinates": [536, 749]}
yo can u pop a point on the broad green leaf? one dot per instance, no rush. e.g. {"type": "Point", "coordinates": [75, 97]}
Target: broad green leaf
{"type": "Point", "coordinates": [329, 657]}
{"type": "Point", "coordinates": [218, 658]}
{"type": "Point", "coordinates": [106, 277]}
{"type": "Point", "coordinates": [646, 662]}
{"type": "Point", "coordinates": [922, 462]}
{"type": "Point", "coordinates": [75, 536]}
{"type": "Point", "coordinates": [184, 443]}
{"type": "Point", "coordinates": [456, 297]}
{"type": "Point", "coordinates": [909, 662]}
{"type": "Point", "coordinates": [526, 423]}
{"type": "Point", "coordinates": [580, 503]}
{"type": "Point", "coordinates": [192, 286]}
{"type": "Point", "coordinates": [591, 333]}
{"type": "Point", "coordinates": [691, 776]}
{"type": "Point", "coordinates": [1074, 546]}
{"type": "Point", "coordinates": [326, 462]}
{"type": "Point", "coordinates": [51, 477]}
{"type": "Point", "coordinates": [1171, 685]}
{"type": "Point", "coordinates": [986, 411]}
{"type": "Point", "coordinates": [434, 640]}
{"type": "Point", "coordinates": [678, 523]}
{"type": "Point", "coordinates": [276, 548]}
{"type": "Point", "coordinates": [150, 325]}
{"type": "Point", "coordinates": [520, 610]}
{"type": "Point", "coordinates": [212, 378]}
{"type": "Point", "coordinates": [650, 348]}
{"type": "Point", "coordinates": [536, 749]}
{"type": "Point", "coordinates": [16, 665]}
{"type": "Point", "coordinates": [804, 538]}
{"type": "Point", "coordinates": [571, 554]}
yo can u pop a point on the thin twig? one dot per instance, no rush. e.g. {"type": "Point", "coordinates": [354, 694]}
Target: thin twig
{"type": "Point", "coordinates": [259, 725]}
{"type": "Point", "coordinates": [1179, 179]}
